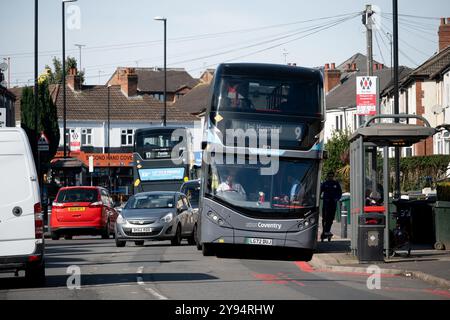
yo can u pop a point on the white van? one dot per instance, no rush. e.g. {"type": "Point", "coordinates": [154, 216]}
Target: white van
{"type": "Point", "coordinates": [21, 225]}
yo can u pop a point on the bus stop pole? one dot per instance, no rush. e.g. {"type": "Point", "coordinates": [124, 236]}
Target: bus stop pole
{"type": "Point", "coordinates": [386, 176]}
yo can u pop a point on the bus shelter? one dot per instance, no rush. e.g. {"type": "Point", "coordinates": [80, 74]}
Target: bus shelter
{"type": "Point", "coordinates": [369, 179]}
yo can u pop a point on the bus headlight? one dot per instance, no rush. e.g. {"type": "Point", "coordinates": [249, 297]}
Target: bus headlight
{"type": "Point", "coordinates": [167, 218]}
{"type": "Point", "coordinates": [216, 218]}
{"type": "Point", "coordinates": [306, 223]}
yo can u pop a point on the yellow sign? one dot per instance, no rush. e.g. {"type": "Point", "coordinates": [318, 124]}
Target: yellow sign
{"type": "Point", "coordinates": [137, 182]}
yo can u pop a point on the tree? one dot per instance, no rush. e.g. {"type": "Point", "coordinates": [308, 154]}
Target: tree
{"type": "Point", "coordinates": [338, 148]}
{"type": "Point", "coordinates": [47, 118]}
{"type": "Point", "coordinates": [55, 76]}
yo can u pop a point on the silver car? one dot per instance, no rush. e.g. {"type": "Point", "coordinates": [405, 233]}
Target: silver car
{"type": "Point", "coordinates": [158, 215]}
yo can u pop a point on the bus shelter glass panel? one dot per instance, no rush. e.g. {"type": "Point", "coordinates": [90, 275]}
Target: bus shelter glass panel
{"type": "Point", "coordinates": [373, 184]}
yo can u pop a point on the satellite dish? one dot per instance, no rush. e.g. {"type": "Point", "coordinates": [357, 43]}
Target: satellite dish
{"type": "Point", "coordinates": [437, 109]}
{"type": "Point", "coordinates": [3, 66]}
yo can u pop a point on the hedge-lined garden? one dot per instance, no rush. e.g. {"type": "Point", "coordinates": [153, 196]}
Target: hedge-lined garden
{"type": "Point", "coordinates": [416, 172]}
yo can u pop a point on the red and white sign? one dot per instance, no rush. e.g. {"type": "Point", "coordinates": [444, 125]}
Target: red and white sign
{"type": "Point", "coordinates": [366, 96]}
{"type": "Point", "coordinates": [43, 142]}
{"type": "Point", "coordinates": [75, 140]}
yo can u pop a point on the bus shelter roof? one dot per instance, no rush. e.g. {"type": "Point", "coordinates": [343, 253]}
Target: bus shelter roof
{"type": "Point", "coordinates": [393, 134]}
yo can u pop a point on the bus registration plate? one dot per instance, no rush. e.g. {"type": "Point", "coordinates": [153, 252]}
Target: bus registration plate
{"type": "Point", "coordinates": [261, 242]}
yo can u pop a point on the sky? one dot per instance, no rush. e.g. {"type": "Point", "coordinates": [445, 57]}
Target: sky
{"type": "Point", "coordinates": [203, 33]}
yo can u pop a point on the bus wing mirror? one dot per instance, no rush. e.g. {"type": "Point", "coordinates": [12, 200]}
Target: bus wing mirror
{"type": "Point", "coordinates": [204, 144]}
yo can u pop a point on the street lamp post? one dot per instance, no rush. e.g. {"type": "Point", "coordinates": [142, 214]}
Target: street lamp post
{"type": "Point", "coordinates": [165, 66]}
{"type": "Point", "coordinates": [64, 71]}
{"type": "Point", "coordinates": [109, 141]}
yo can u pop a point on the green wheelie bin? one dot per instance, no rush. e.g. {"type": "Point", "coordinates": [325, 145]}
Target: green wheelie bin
{"type": "Point", "coordinates": [441, 214]}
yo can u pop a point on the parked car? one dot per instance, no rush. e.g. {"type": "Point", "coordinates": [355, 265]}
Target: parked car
{"type": "Point", "coordinates": [158, 215]}
{"type": "Point", "coordinates": [21, 224]}
{"type": "Point", "coordinates": [82, 211]}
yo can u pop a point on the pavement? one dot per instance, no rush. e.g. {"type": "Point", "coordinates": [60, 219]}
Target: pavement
{"type": "Point", "coordinates": [426, 264]}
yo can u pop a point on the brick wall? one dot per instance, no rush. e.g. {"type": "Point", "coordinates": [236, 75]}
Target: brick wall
{"type": "Point", "coordinates": [424, 148]}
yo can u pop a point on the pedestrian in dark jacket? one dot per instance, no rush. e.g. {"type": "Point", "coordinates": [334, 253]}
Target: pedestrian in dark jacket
{"type": "Point", "coordinates": [332, 193]}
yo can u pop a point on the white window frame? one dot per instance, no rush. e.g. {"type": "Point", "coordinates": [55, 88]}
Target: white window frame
{"type": "Point", "coordinates": [89, 137]}
{"type": "Point", "coordinates": [128, 134]}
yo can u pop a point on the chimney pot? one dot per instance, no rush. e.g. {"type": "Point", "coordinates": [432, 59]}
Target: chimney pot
{"type": "Point", "coordinates": [333, 66]}
{"type": "Point", "coordinates": [73, 80]}
{"type": "Point", "coordinates": [444, 34]}
{"type": "Point", "coordinates": [354, 66]}
{"type": "Point", "coordinates": [327, 66]}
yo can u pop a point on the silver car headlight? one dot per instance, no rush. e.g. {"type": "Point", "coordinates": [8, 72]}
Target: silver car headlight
{"type": "Point", "coordinates": [121, 220]}
{"type": "Point", "coordinates": [167, 218]}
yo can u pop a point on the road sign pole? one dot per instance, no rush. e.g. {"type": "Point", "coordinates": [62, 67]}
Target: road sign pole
{"type": "Point", "coordinates": [91, 168]}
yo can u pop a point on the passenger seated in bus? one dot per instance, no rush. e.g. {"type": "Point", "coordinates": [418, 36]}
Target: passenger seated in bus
{"type": "Point", "coordinates": [236, 96]}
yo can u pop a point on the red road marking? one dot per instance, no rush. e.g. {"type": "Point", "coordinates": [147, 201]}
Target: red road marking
{"type": "Point", "coordinates": [273, 279]}
{"type": "Point", "coordinates": [442, 293]}
{"type": "Point", "coordinates": [299, 283]}
{"type": "Point", "coordinates": [304, 266]}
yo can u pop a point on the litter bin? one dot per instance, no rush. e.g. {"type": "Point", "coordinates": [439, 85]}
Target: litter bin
{"type": "Point", "coordinates": [371, 237]}
{"type": "Point", "coordinates": [442, 225]}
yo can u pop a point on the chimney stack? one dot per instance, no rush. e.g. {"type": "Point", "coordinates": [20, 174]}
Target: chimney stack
{"type": "Point", "coordinates": [127, 79]}
{"type": "Point", "coordinates": [332, 77]}
{"type": "Point", "coordinates": [444, 34]}
{"type": "Point", "coordinates": [73, 80]}
{"type": "Point", "coordinates": [354, 66]}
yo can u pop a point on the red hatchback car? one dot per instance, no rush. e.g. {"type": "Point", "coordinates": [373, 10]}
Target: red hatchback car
{"type": "Point", "coordinates": [82, 211]}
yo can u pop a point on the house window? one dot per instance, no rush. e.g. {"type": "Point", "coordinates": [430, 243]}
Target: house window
{"type": "Point", "coordinates": [86, 137]}
{"type": "Point", "coordinates": [159, 96]}
{"type": "Point", "coordinates": [126, 137]}
{"type": "Point", "coordinates": [408, 152]}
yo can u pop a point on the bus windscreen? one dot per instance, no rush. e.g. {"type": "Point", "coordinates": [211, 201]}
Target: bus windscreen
{"type": "Point", "coordinates": [282, 97]}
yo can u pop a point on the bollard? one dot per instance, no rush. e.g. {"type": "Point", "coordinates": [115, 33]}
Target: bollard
{"type": "Point", "coordinates": [344, 214]}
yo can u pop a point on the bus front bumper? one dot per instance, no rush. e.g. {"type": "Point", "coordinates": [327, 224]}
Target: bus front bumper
{"type": "Point", "coordinates": [214, 233]}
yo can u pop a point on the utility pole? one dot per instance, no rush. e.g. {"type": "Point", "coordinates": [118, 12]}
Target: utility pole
{"type": "Point", "coordinates": [397, 193]}
{"type": "Point", "coordinates": [8, 61]}
{"type": "Point", "coordinates": [367, 21]}
{"type": "Point", "coordinates": [285, 54]}
{"type": "Point", "coordinates": [80, 46]}
{"type": "Point", "coordinates": [392, 51]}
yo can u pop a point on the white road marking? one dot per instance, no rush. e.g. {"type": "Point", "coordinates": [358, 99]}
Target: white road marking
{"type": "Point", "coordinates": [153, 292]}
